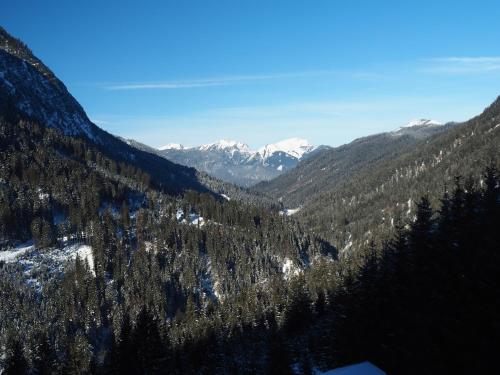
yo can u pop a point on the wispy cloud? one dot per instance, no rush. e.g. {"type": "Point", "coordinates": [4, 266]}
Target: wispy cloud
{"type": "Point", "coordinates": [233, 80]}
{"type": "Point", "coordinates": [462, 65]}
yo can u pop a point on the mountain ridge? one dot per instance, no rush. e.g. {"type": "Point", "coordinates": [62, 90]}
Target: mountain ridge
{"type": "Point", "coordinates": [370, 185]}
{"type": "Point", "coordinates": [347, 158]}
{"type": "Point", "coordinates": [236, 162]}
{"type": "Point", "coordinates": [30, 90]}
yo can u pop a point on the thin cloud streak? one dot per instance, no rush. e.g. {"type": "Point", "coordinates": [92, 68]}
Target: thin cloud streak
{"type": "Point", "coordinates": [463, 65]}
{"type": "Point", "coordinates": [227, 80]}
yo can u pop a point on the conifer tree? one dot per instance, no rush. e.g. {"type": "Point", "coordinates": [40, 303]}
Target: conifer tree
{"type": "Point", "coordinates": [15, 363]}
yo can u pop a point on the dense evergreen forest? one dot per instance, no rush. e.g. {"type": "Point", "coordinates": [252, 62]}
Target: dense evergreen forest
{"type": "Point", "coordinates": [224, 269]}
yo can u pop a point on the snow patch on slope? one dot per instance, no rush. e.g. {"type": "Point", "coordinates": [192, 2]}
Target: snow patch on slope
{"type": "Point", "coordinates": [84, 253]}
{"type": "Point", "coordinates": [289, 269]}
{"type": "Point", "coordinates": [9, 256]}
{"type": "Point", "coordinates": [364, 368]}
{"type": "Point", "coordinates": [290, 211]}
{"type": "Point", "coordinates": [52, 260]}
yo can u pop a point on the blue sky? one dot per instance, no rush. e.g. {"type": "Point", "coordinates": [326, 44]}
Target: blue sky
{"type": "Point", "coordinates": [193, 72]}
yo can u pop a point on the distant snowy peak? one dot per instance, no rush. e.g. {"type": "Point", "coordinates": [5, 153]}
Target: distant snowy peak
{"type": "Point", "coordinates": [296, 147]}
{"type": "Point", "coordinates": [172, 146]}
{"type": "Point", "coordinates": [422, 122]}
{"type": "Point", "coordinates": [226, 145]}
{"type": "Point", "coordinates": [237, 163]}
{"type": "Point", "coordinates": [293, 147]}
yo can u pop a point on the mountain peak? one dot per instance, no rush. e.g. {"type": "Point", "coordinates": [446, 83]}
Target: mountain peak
{"type": "Point", "coordinates": [226, 145]}
{"type": "Point", "coordinates": [171, 146]}
{"type": "Point", "coordinates": [293, 146]}
{"type": "Point", "coordinates": [422, 122]}
{"type": "Point", "coordinates": [236, 162]}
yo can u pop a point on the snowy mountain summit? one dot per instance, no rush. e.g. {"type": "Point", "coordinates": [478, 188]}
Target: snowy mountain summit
{"type": "Point", "coordinates": [419, 128]}
{"type": "Point", "coordinates": [422, 122]}
{"type": "Point", "coordinates": [172, 146]}
{"type": "Point", "coordinates": [297, 147]}
{"type": "Point", "coordinates": [226, 145]}
{"type": "Point", "coordinates": [236, 162]}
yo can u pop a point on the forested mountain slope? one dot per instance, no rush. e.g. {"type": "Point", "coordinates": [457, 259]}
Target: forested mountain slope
{"type": "Point", "coordinates": [366, 188]}
{"type": "Point", "coordinates": [29, 89]}
{"type": "Point", "coordinates": [332, 167]}
{"type": "Point", "coordinates": [425, 302]}
{"type": "Point", "coordinates": [226, 190]}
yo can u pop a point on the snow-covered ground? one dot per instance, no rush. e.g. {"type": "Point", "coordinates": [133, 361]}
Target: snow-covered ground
{"type": "Point", "coordinates": [364, 368]}
{"type": "Point", "coordinates": [192, 218]}
{"type": "Point", "coordinates": [290, 211]}
{"type": "Point", "coordinates": [35, 262]}
{"type": "Point", "coordinates": [9, 256]}
{"type": "Point", "coordinates": [195, 219]}
{"type": "Point", "coordinates": [289, 269]}
{"type": "Point", "coordinates": [84, 252]}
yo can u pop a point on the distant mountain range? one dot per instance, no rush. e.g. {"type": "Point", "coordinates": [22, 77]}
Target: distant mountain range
{"type": "Point", "coordinates": [235, 162]}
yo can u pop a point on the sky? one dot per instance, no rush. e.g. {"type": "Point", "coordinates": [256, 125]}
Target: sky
{"type": "Point", "coordinates": [193, 72]}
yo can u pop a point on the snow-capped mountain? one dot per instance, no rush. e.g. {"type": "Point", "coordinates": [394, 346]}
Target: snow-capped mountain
{"type": "Point", "coordinates": [226, 146]}
{"type": "Point", "coordinates": [236, 162]}
{"type": "Point", "coordinates": [422, 122]}
{"type": "Point", "coordinates": [420, 128]}
{"type": "Point", "coordinates": [294, 146]}
{"type": "Point", "coordinates": [171, 146]}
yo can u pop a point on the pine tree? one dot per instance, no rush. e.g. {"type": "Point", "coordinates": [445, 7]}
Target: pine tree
{"type": "Point", "coordinates": [147, 342]}
{"type": "Point", "coordinates": [125, 347]}
{"type": "Point", "coordinates": [45, 359]}
{"type": "Point", "coordinates": [15, 363]}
